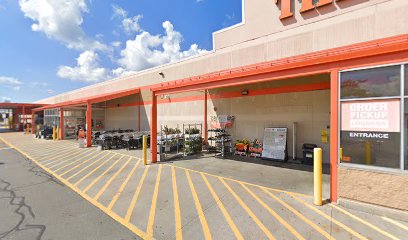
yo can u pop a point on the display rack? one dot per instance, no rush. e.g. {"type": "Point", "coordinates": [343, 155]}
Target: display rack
{"type": "Point", "coordinates": [220, 142]}
{"type": "Point", "coordinates": [193, 141]}
{"type": "Point", "coordinates": [170, 140]}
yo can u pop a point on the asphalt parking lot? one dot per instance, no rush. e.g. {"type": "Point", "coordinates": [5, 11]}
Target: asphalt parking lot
{"type": "Point", "coordinates": [174, 201]}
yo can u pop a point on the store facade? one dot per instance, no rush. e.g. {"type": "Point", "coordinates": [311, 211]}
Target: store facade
{"type": "Point", "coordinates": [336, 69]}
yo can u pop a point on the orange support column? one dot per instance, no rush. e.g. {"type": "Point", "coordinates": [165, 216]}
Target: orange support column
{"type": "Point", "coordinates": [23, 118]}
{"type": "Point", "coordinates": [334, 127]}
{"type": "Point", "coordinates": [205, 117]}
{"type": "Point", "coordinates": [33, 123]}
{"type": "Point", "coordinates": [138, 111]}
{"type": "Point", "coordinates": [153, 129]}
{"type": "Point", "coordinates": [89, 124]}
{"type": "Point", "coordinates": [61, 124]}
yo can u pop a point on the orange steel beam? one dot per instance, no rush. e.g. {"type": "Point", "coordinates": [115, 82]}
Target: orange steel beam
{"type": "Point", "coordinates": [138, 111]}
{"type": "Point", "coordinates": [62, 123]}
{"type": "Point", "coordinates": [153, 129]}
{"type": "Point", "coordinates": [205, 117]}
{"type": "Point", "coordinates": [89, 124]}
{"type": "Point", "coordinates": [334, 131]}
{"type": "Point", "coordinates": [32, 122]}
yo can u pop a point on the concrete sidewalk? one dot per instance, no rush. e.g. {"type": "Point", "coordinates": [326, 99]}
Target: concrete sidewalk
{"type": "Point", "coordinates": [201, 199]}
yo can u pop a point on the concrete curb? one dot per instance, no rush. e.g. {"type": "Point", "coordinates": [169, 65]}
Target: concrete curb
{"type": "Point", "coordinates": [374, 209]}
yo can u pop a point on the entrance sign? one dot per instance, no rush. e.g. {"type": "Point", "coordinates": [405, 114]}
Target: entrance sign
{"type": "Point", "coordinates": [371, 116]}
{"type": "Point", "coordinates": [275, 143]}
{"type": "Point", "coordinates": [307, 5]}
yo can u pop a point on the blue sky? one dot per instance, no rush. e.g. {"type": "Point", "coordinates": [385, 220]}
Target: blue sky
{"type": "Point", "coordinates": [53, 46]}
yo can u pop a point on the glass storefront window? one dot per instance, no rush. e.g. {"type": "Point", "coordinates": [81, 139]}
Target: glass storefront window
{"type": "Point", "coordinates": [405, 79]}
{"type": "Point", "coordinates": [376, 82]}
{"type": "Point", "coordinates": [406, 134]}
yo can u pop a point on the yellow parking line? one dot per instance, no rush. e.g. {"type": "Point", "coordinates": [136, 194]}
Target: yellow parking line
{"type": "Point", "coordinates": [67, 160]}
{"type": "Point", "coordinates": [102, 174]}
{"type": "Point", "coordinates": [79, 159]}
{"type": "Point", "coordinates": [122, 187]}
{"type": "Point", "coordinates": [248, 210]}
{"type": "Point", "coordinates": [246, 183]}
{"type": "Point", "coordinates": [39, 150]}
{"type": "Point", "coordinates": [152, 213]}
{"type": "Point", "coordinates": [312, 224]}
{"type": "Point", "coordinates": [277, 216]}
{"type": "Point", "coordinates": [177, 215]}
{"type": "Point", "coordinates": [200, 212]}
{"type": "Point", "coordinates": [53, 152]}
{"type": "Point", "coordinates": [103, 189]}
{"type": "Point", "coordinates": [365, 222]}
{"type": "Point", "coordinates": [59, 158]}
{"type": "Point", "coordinates": [112, 214]}
{"type": "Point", "coordinates": [88, 166]}
{"type": "Point", "coordinates": [331, 219]}
{"type": "Point", "coordinates": [96, 169]}
{"type": "Point", "coordinates": [231, 223]}
{"type": "Point", "coordinates": [136, 196]}
{"type": "Point", "coordinates": [396, 223]}
{"type": "Point", "coordinates": [82, 163]}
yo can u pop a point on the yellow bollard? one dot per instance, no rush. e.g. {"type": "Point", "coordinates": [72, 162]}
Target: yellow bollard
{"type": "Point", "coordinates": [317, 169]}
{"type": "Point", "coordinates": [368, 159]}
{"type": "Point", "coordinates": [145, 150]}
{"type": "Point", "coordinates": [54, 133]}
{"type": "Point", "coordinates": [341, 154]}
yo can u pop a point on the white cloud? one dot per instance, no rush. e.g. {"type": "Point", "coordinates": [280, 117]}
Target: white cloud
{"type": "Point", "coordinates": [5, 99]}
{"type": "Point", "coordinates": [50, 91]}
{"type": "Point", "coordinates": [116, 44]}
{"type": "Point", "coordinates": [10, 82]}
{"type": "Point", "coordinates": [147, 50]}
{"type": "Point", "coordinates": [87, 69]}
{"type": "Point", "coordinates": [129, 24]}
{"type": "Point", "coordinates": [60, 20]}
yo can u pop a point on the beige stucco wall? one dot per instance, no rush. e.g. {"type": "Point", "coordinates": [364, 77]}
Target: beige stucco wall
{"type": "Point", "coordinates": [264, 37]}
{"type": "Point", "coordinates": [381, 188]}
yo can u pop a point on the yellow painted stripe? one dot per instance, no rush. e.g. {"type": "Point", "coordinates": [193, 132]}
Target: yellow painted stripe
{"type": "Point", "coordinates": [330, 218]}
{"type": "Point", "coordinates": [60, 159]}
{"type": "Point", "coordinates": [96, 169]}
{"type": "Point", "coordinates": [107, 184]}
{"type": "Point", "coordinates": [70, 163]}
{"type": "Point", "coordinates": [90, 165]}
{"type": "Point", "coordinates": [273, 213]}
{"type": "Point", "coordinates": [249, 184]}
{"type": "Point", "coordinates": [177, 214]}
{"type": "Point", "coordinates": [200, 212]}
{"type": "Point", "coordinates": [387, 234]}
{"type": "Point", "coordinates": [82, 163]}
{"type": "Point", "coordinates": [248, 210]}
{"type": "Point", "coordinates": [136, 195]}
{"type": "Point", "coordinates": [306, 220]}
{"type": "Point", "coordinates": [122, 187]}
{"type": "Point", "coordinates": [152, 213]}
{"type": "Point", "coordinates": [52, 151]}
{"type": "Point", "coordinates": [231, 223]}
{"type": "Point", "coordinates": [112, 214]}
{"type": "Point", "coordinates": [396, 223]}
{"type": "Point", "coordinates": [102, 174]}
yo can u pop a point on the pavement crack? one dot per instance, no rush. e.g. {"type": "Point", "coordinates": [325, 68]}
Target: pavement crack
{"type": "Point", "coordinates": [21, 205]}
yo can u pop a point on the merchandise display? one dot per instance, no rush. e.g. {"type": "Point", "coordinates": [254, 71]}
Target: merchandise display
{"type": "Point", "coordinates": [170, 140]}
{"type": "Point", "coordinates": [219, 142]}
{"type": "Point", "coordinates": [193, 141]}
{"type": "Point", "coordinates": [127, 139]}
{"type": "Point", "coordinates": [241, 147]}
{"type": "Point", "coordinates": [255, 148]}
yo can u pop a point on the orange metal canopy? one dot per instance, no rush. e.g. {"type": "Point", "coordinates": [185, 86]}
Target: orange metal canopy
{"type": "Point", "coordinates": [19, 105]}
{"type": "Point", "coordinates": [307, 64]}
{"type": "Point", "coordinates": [91, 100]}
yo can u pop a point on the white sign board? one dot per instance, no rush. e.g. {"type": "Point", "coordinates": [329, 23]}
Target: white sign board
{"type": "Point", "coordinates": [274, 144]}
